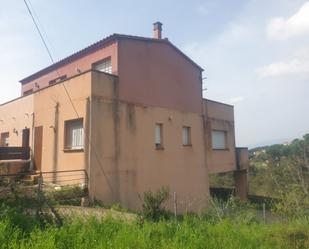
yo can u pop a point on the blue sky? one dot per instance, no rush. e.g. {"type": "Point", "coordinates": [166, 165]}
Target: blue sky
{"type": "Point", "coordinates": [255, 52]}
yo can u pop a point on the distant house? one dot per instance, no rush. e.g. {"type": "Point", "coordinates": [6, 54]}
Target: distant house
{"type": "Point", "coordinates": [129, 110]}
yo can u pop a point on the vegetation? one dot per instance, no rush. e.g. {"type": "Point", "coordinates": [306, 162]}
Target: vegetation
{"type": "Point", "coordinates": [152, 204]}
{"type": "Point", "coordinates": [282, 171]}
{"type": "Point", "coordinates": [278, 171]}
{"type": "Point", "coordinates": [20, 231]}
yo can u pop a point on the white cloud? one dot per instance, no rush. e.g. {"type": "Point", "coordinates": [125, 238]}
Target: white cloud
{"type": "Point", "coordinates": [298, 24]}
{"type": "Point", "coordinates": [297, 67]}
{"type": "Point", "coordinates": [237, 99]}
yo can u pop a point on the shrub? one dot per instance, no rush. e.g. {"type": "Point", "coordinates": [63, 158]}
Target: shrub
{"type": "Point", "coordinates": [232, 209]}
{"type": "Point", "coordinates": [152, 204]}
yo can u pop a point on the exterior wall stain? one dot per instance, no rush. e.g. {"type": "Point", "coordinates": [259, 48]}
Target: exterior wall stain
{"type": "Point", "coordinates": [130, 118]}
{"type": "Point", "coordinates": [116, 120]}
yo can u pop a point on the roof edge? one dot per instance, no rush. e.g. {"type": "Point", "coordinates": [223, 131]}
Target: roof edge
{"type": "Point", "coordinates": [221, 103]}
{"type": "Point", "coordinates": [98, 45]}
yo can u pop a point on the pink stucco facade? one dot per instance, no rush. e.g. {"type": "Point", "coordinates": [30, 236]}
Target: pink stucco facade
{"type": "Point", "coordinates": [75, 67]}
{"type": "Point", "coordinates": [151, 72]}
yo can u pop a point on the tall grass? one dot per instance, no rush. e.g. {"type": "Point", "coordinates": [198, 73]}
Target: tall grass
{"type": "Point", "coordinates": [191, 232]}
{"type": "Point", "coordinates": [227, 225]}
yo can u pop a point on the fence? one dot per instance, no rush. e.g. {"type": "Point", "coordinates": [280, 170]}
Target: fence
{"type": "Point", "coordinates": [59, 185]}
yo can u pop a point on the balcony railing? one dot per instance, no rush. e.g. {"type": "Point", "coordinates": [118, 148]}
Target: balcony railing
{"type": "Point", "coordinates": [14, 153]}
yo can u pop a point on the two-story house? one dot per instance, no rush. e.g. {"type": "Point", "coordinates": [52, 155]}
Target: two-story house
{"type": "Point", "coordinates": [130, 111]}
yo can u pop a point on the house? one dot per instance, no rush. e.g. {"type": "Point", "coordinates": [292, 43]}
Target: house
{"type": "Point", "coordinates": [129, 110]}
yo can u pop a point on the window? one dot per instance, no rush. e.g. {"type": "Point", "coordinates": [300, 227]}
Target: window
{"type": "Point", "coordinates": [74, 138]}
{"type": "Point", "coordinates": [54, 81]}
{"type": "Point", "coordinates": [104, 66]}
{"type": "Point", "coordinates": [186, 135]}
{"type": "Point", "coordinates": [4, 139]}
{"type": "Point", "coordinates": [159, 136]}
{"type": "Point", "coordinates": [28, 92]}
{"type": "Point", "coordinates": [218, 140]}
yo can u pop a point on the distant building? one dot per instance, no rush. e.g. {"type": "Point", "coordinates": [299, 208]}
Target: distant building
{"type": "Point", "coordinates": [129, 110]}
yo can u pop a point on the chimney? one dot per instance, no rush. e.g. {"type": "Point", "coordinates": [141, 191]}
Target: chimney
{"type": "Point", "coordinates": [157, 30]}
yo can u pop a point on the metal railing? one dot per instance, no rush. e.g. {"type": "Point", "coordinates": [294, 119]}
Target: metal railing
{"type": "Point", "coordinates": [60, 177]}
{"type": "Point", "coordinates": [13, 153]}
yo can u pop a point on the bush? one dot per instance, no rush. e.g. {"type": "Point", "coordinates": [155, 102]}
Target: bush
{"type": "Point", "coordinates": [232, 209]}
{"type": "Point", "coordinates": [152, 204]}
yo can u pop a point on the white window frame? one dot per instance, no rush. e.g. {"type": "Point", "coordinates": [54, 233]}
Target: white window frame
{"type": "Point", "coordinates": [74, 134]}
{"type": "Point", "coordinates": [219, 139]}
{"type": "Point", "coordinates": [186, 136]}
{"type": "Point", "coordinates": [159, 136]}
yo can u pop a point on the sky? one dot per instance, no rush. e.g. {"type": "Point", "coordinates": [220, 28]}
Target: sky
{"type": "Point", "coordinates": [255, 53]}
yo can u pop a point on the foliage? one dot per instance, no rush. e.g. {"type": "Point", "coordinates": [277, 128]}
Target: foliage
{"type": "Point", "coordinates": [232, 209]}
{"type": "Point", "coordinates": [282, 171]}
{"type": "Point", "coordinates": [152, 204]}
{"type": "Point", "coordinates": [225, 180]}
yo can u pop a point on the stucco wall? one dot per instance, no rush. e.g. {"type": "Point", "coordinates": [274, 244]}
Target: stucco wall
{"type": "Point", "coordinates": [219, 116]}
{"type": "Point", "coordinates": [17, 115]}
{"type": "Point", "coordinates": [125, 163]}
{"type": "Point", "coordinates": [119, 151]}
{"type": "Point", "coordinates": [154, 74]}
{"type": "Point", "coordinates": [45, 101]}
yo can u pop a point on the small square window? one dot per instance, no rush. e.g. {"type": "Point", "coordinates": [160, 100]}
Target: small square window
{"type": "Point", "coordinates": [186, 135]}
{"type": "Point", "coordinates": [5, 139]}
{"type": "Point", "coordinates": [159, 136]}
{"type": "Point", "coordinates": [219, 140]}
{"type": "Point", "coordinates": [74, 135]}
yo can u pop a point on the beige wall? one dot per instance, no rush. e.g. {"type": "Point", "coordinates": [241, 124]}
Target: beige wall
{"type": "Point", "coordinates": [45, 102]}
{"type": "Point", "coordinates": [220, 117]}
{"type": "Point", "coordinates": [16, 115]}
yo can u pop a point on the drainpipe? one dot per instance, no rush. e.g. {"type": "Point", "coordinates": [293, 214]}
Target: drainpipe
{"type": "Point", "coordinates": [32, 145]}
{"type": "Point", "coordinates": [55, 128]}
{"type": "Point", "coordinates": [88, 139]}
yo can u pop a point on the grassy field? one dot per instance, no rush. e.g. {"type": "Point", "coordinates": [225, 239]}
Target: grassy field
{"type": "Point", "coordinates": [20, 231]}
{"type": "Point", "coordinates": [225, 224]}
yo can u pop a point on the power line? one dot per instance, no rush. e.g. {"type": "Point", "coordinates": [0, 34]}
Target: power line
{"type": "Point", "coordinates": [67, 93]}
{"type": "Point", "coordinates": [43, 31]}
{"type": "Point", "coordinates": [38, 29]}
